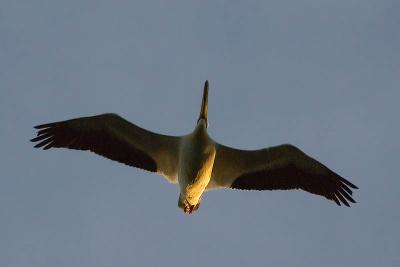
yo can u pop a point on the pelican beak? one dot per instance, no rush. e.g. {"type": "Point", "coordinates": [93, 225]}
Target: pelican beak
{"type": "Point", "coordinates": [204, 105]}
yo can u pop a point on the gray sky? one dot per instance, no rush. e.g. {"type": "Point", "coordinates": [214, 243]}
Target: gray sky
{"type": "Point", "coordinates": [323, 75]}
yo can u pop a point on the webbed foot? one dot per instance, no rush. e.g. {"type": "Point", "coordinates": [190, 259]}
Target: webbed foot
{"type": "Point", "coordinates": [187, 207]}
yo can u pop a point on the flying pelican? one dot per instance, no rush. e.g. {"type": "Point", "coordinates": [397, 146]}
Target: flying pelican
{"type": "Point", "coordinates": [195, 161]}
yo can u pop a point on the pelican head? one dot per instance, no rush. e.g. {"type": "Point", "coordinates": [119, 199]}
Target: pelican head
{"type": "Point", "coordinates": [204, 106]}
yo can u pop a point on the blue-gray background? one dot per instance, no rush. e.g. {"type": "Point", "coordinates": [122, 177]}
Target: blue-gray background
{"type": "Point", "coordinates": [323, 75]}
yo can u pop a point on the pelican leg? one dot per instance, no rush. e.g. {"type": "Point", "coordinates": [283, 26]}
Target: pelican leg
{"type": "Point", "coordinates": [186, 206]}
{"type": "Point", "coordinates": [196, 207]}
{"type": "Point", "coordinates": [189, 209]}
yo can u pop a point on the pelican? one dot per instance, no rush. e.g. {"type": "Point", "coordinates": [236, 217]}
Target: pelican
{"type": "Point", "coordinates": [195, 161]}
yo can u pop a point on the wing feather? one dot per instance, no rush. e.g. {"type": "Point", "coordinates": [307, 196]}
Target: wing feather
{"type": "Point", "coordinates": [282, 167]}
{"type": "Point", "coordinates": [113, 137]}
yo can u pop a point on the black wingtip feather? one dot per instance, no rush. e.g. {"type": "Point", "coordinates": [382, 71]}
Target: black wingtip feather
{"type": "Point", "coordinates": [342, 199]}
{"type": "Point", "coordinates": [348, 183]}
{"type": "Point", "coordinates": [346, 195]}
{"type": "Point", "coordinates": [334, 198]}
{"type": "Point", "coordinates": [41, 126]}
{"type": "Point", "coordinates": [347, 189]}
{"type": "Point", "coordinates": [41, 137]}
{"type": "Point", "coordinates": [44, 131]}
{"type": "Point", "coordinates": [50, 145]}
{"type": "Point", "coordinates": [44, 142]}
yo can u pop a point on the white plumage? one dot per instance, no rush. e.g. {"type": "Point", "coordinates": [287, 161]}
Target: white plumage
{"type": "Point", "coordinates": [195, 161]}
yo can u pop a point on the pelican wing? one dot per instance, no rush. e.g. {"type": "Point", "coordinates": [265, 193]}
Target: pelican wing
{"type": "Point", "coordinates": [115, 138]}
{"type": "Point", "coordinates": [281, 167]}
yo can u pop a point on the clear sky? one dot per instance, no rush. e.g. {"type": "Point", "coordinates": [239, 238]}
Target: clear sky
{"type": "Point", "coordinates": [322, 75]}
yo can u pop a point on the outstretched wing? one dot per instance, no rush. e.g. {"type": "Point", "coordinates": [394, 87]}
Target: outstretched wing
{"type": "Point", "coordinates": [115, 138]}
{"type": "Point", "coordinates": [281, 167]}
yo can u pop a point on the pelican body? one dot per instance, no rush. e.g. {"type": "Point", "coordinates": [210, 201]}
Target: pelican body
{"type": "Point", "coordinates": [195, 161]}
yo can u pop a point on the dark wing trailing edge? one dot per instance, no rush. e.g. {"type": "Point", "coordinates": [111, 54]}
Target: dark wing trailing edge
{"type": "Point", "coordinates": [279, 168]}
{"type": "Point", "coordinates": [115, 138]}
{"type": "Point", "coordinates": [329, 184]}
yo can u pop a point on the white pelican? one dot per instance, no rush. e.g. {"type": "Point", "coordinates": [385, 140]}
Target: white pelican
{"type": "Point", "coordinates": [195, 161]}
